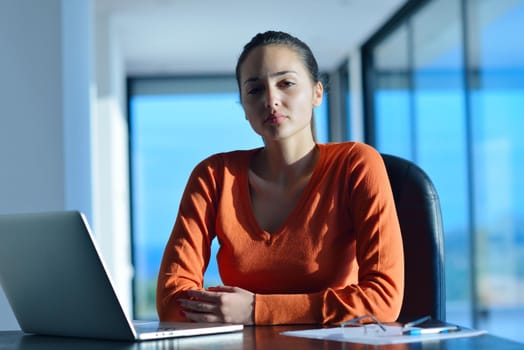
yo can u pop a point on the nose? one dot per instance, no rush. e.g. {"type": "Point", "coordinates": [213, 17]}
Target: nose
{"type": "Point", "coordinates": [272, 97]}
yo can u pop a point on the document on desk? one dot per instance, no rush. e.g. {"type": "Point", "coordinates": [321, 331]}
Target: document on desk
{"type": "Point", "coordinates": [370, 336]}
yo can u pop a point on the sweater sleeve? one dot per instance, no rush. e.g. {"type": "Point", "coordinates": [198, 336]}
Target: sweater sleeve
{"type": "Point", "coordinates": [188, 249]}
{"type": "Point", "coordinates": [379, 253]}
{"type": "Point", "coordinates": [377, 290]}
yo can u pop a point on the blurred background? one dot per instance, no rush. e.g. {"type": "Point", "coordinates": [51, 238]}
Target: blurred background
{"type": "Point", "coordinates": [107, 105]}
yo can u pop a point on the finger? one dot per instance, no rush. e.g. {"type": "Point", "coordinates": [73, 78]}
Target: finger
{"type": "Point", "coordinates": [227, 289]}
{"type": "Point", "coordinates": [198, 305]}
{"type": "Point", "coordinates": [208, 296]}
{"type": "Point", "coordinates": [202, 317]}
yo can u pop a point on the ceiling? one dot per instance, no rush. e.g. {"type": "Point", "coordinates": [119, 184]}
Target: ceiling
{"type": "Point", "coordinates": [206, 36]}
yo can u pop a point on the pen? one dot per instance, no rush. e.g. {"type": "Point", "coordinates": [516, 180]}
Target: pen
{"type": "Point", "coordinates": [436, 330]}
{"type": "Point", "coordinates": [417, 322]}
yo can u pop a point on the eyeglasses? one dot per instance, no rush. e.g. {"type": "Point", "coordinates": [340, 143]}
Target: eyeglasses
{"type": "Point", "coordinates": [377, 326]}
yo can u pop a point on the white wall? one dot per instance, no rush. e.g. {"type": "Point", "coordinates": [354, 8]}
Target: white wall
{"type": "Point", "coordinates": [111, 159]}
{"type": "Point", "coordinates": [45, 102]}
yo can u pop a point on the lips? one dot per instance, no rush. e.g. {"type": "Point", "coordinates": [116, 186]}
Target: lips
{"type": "Point", "coordinates": [274, 118]}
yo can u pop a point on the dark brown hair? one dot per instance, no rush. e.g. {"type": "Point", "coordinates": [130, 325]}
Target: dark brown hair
{"type": "Point", "coordinates": [285, 39]}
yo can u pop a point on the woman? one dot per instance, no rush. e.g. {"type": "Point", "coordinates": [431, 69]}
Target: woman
{"type": "Point", "coordinates": [308, 232]}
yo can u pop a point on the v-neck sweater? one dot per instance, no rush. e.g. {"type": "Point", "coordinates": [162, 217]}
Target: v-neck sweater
{"type": "Point", "coordinates": [338, 255]}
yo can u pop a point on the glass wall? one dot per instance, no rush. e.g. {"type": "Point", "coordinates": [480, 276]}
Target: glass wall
{"type": "Point", "coordinates": [446, 90]}
{"type": "Point", "coordinates": [439, 145]}
{"type": "Point", "coordinates": [174, 124]}
{"type": "Point", "coordinates": [392, 101]}
{"type": "Point", "coordinates": [496, 79]}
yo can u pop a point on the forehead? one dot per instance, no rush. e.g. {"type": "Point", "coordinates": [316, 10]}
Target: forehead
{"type": "Point", "coordinates": [269, 59]}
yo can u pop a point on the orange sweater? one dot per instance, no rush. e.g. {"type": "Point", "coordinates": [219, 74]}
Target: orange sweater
{"type": "Point", "coordinates": [337, 256]}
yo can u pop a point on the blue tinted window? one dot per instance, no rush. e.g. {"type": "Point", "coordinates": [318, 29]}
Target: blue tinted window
{"type": "Point", "coordinates": [497, 110]}
{"type": "Point", "coordinates": [458, 114]}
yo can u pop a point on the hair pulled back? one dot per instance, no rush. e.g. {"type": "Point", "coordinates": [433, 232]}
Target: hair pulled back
{"type": "Point", "coordinates": [284, 39]}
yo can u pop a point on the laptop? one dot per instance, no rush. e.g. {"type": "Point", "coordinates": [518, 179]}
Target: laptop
{"type": "Point", "coordinates": [56, 283]}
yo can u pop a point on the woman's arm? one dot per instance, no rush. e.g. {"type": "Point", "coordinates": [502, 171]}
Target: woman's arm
{"type": "Point", "coordinates": [188, 249]}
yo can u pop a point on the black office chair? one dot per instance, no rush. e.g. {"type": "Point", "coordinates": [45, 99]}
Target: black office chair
{"type": "Point", "coordinates": [418, 210]}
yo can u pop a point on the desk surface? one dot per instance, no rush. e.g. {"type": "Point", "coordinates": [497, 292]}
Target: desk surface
{"type": "Point", "coordinates": [259, 338]}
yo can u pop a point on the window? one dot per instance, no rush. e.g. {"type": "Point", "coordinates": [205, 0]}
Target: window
{"type": "Point", "coordinates": [496, 78]}
{"type": "Point", "coordinates": [446, 90]}
{"type": "Point", "coordinates": [392, 97]}
{"type": "Point", "coordinates": [174, 124]}
{"type": "Point", "coordinates": [439, 145]}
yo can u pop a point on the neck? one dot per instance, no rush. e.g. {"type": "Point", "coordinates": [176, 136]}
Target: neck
{"type": "Point", "coordinates": [286, 162]}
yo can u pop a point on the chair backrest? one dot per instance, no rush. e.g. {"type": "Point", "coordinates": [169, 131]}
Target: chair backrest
{"type": "Point", "coordinates": [418, 210]}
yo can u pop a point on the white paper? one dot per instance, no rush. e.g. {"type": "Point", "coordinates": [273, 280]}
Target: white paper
{"type": "Point", "coordinates": [373, 336]}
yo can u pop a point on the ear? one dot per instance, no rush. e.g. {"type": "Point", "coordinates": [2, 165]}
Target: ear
{"type": "Point", "coordinates": [318, 94]}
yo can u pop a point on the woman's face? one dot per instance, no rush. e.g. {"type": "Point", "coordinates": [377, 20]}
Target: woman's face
{"type": "Point", "coordinates": [277, 92]}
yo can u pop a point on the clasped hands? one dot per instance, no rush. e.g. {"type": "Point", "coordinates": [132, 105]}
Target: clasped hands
{"type": "Point", "coordinates": [222, 304]}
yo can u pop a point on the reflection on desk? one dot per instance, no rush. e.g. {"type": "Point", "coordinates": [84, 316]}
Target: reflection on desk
{"type": "Point", "coordinates": [259, 337]}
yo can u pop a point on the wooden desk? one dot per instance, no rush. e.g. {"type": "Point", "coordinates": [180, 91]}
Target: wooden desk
{"type": "Point", "coordinates": [259, 338]}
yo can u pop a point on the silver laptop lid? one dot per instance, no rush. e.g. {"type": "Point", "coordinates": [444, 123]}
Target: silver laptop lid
{"type": "Point", "coordinates": [55, 280]}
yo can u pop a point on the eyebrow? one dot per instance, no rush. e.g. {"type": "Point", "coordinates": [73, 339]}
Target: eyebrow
{"type": "Point", "coordinates": [284, 72]}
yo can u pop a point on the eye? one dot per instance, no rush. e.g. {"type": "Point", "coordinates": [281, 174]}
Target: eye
{"type": "Point", "coordinates": [287, 83]}
{"type": "Point", "coordinates": [253, 90]}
